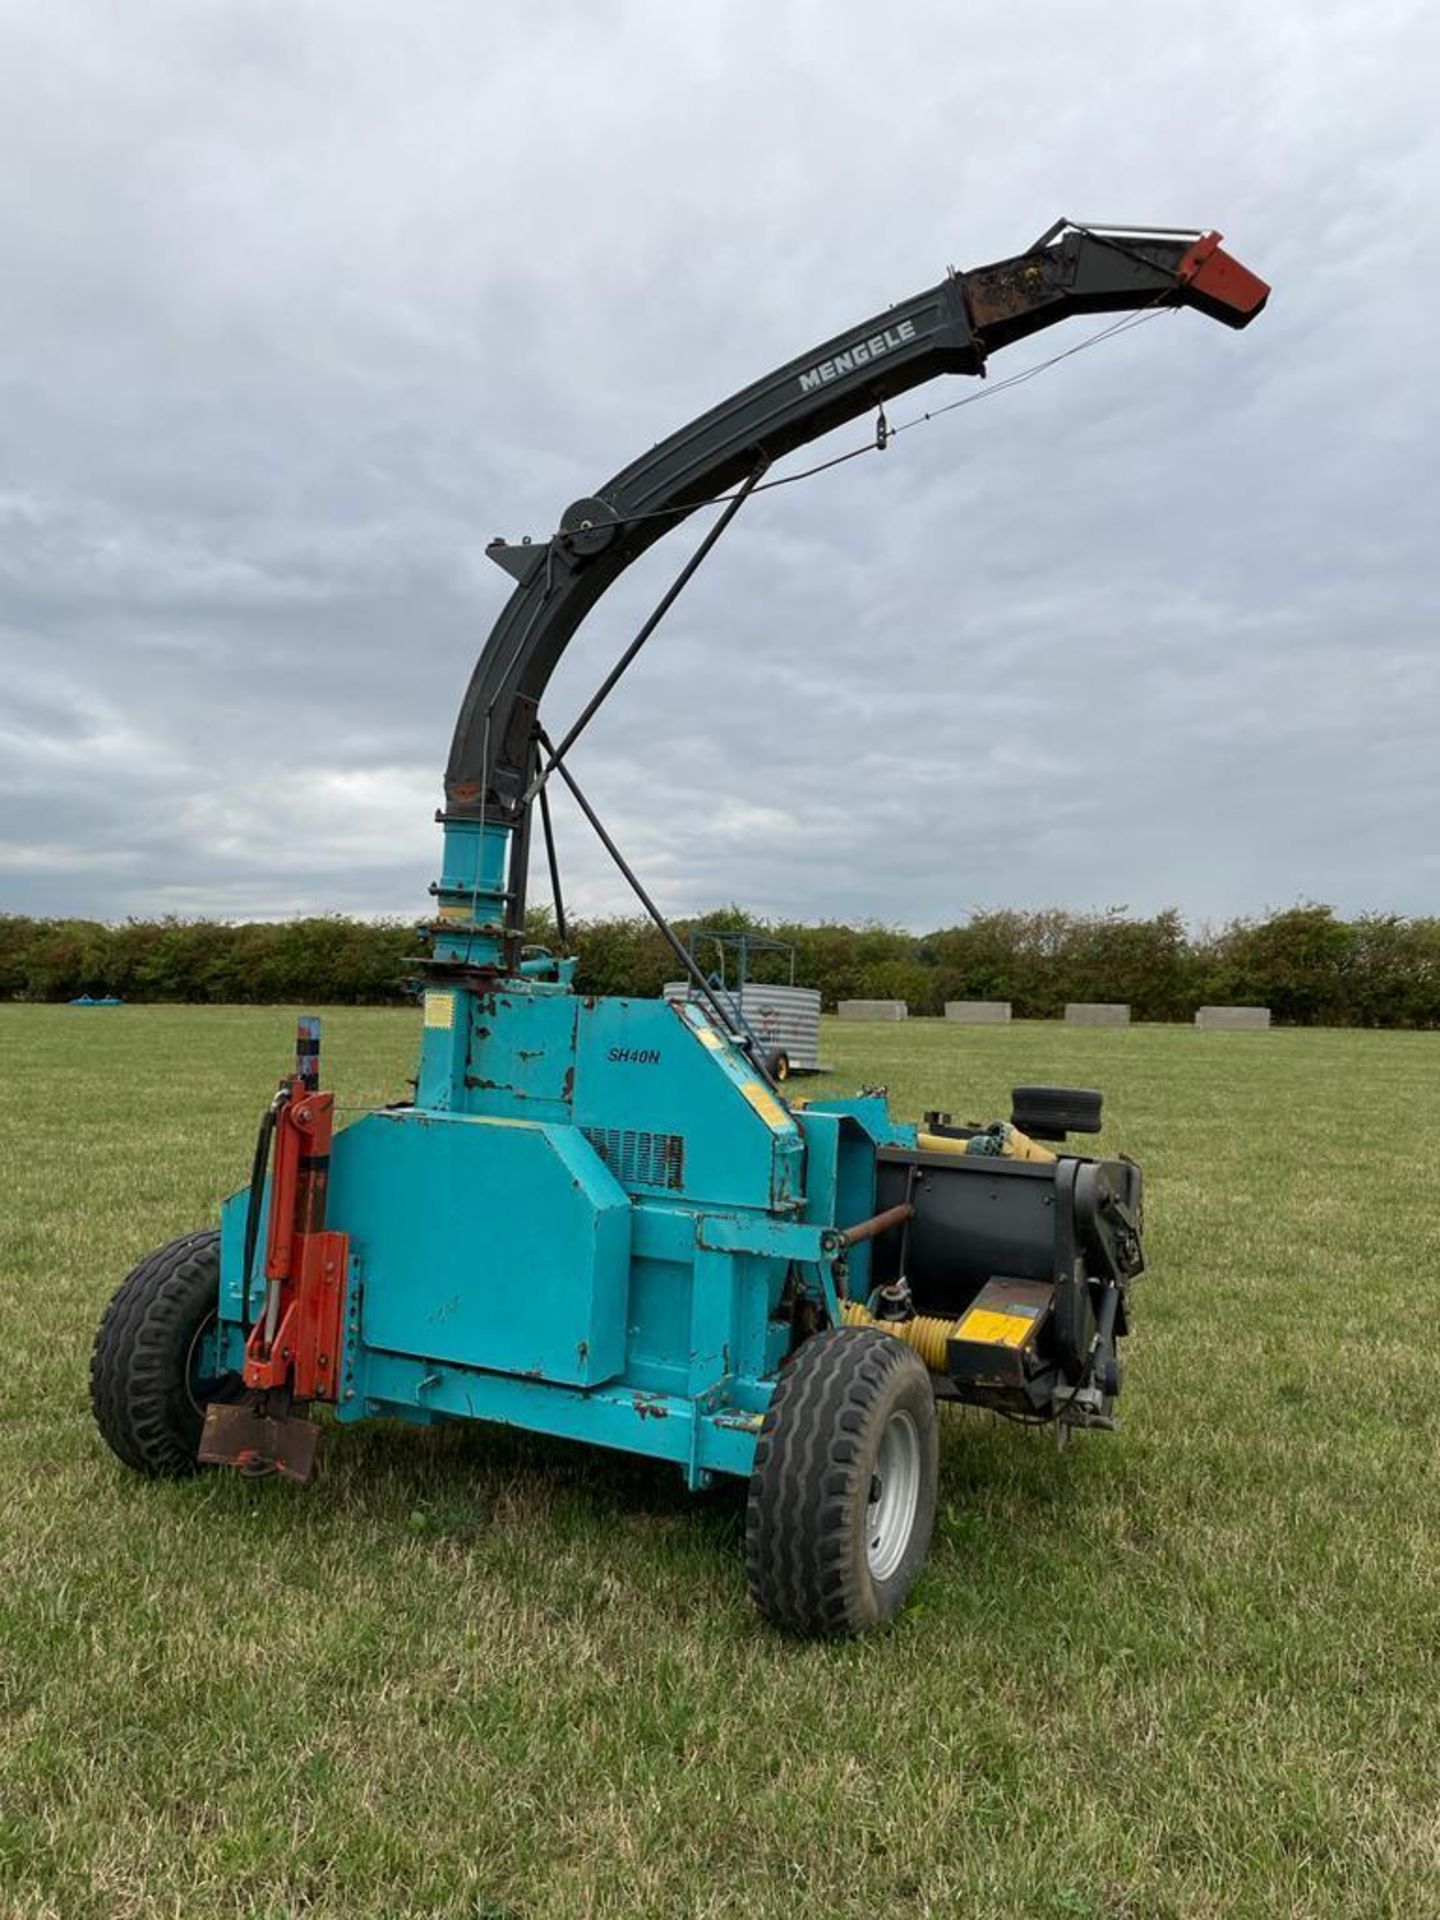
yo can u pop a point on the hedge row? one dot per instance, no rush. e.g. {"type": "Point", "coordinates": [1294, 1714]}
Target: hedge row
{"type": "Point", "coordinates": [1307, 965]}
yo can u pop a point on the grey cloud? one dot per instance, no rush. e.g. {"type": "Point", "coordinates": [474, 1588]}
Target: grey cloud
{"type": "Point", "coordinates": [304, 305]}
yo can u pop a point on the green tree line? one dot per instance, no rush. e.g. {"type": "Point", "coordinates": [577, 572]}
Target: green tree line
{"type": "Point", "coordinates": [1310, 967]}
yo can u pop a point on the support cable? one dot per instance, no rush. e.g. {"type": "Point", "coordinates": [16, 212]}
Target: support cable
{"type": "Point", "coordinates": [746, 1041]}
{"type": "Point", "coordinates": [734, 502]}
{"type": "Point", "coordinates": [885, 433]}
{"type": "Point", "coordinates": [561, 932]}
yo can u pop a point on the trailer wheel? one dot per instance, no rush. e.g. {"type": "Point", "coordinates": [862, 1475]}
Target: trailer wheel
{"type": "Point", "coordinates": [842, 1494]}
{"type": "Point", "coordinates": [151, 1373]}
{"type": "Point", "coordinates": [779, 1066]}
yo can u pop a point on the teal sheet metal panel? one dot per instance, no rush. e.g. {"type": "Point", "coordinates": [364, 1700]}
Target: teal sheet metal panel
{"type": "Point", "coordinates": [642, 1067]}
{"type": "Point", "coordinates": [498, 1244]}
{"type": "Point", "coordinates": [509, 1055]}
{"type": "Point", "coordinates": [670, 1104]}
{"type": "Point", "coordinates": [444, 1050]}
{"type": "Point", "coordinates": [871, 1112]}
{"type": "Point", "coordinates": [701, 1440]}
{"type": "Point", "coordinates": [662, 1279]}
{"type": "Point", "coordinates": [584, 1226]}
{"type": "Point", "coordinates": [471, 892]}
{"type": "Point", "coordinates": [840, 1179]}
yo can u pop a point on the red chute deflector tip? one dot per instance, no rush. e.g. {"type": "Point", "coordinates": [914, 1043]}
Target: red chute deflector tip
{"type": "Point", "coordinates": [1215, 282]}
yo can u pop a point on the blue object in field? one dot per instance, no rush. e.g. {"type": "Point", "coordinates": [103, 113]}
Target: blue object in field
{"type": "Point", "coordinates": [87, 1000]}
{"type": "Point", "coordinates": [585, 1223]}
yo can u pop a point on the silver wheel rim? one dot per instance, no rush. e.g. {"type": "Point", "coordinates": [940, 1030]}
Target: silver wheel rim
{"type": "Point", "coordinates": [894, 1496]}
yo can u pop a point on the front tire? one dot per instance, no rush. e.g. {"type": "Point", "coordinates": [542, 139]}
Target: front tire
{"type": "Point", "coordinates": [842, 1494]}
{"type": "Point", "coordinates": [152, 1369]}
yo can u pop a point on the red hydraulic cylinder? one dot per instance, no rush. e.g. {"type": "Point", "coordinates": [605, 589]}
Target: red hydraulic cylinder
{"type": "Point", "coordinates": [295, 1343]}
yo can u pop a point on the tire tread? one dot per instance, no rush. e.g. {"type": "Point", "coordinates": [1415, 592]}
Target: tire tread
{"type": "Point", "coordinates": [801, 1562]}
{"type": "Point", "coordinates": [137, 1388]}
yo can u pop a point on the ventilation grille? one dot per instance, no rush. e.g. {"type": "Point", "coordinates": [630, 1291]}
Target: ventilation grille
{"type": "Point", "coordinates": [640, 1159]}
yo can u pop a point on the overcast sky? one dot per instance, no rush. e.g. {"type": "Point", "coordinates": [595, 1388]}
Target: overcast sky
{"type": "Point", "coordinates": [304, 302]}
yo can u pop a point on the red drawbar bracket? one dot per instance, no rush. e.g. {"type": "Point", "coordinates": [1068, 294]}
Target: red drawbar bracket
{"type": "Point", "coordinates": [295, 1343]}
{"type": "Point", "coordinates": [292, 1355]}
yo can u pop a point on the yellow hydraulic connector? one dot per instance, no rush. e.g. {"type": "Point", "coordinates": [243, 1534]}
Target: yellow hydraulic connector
{"type": "Point", "coordinates": [1014, 1145]}
{"type": "Point", "coordinates": [929, 1338]}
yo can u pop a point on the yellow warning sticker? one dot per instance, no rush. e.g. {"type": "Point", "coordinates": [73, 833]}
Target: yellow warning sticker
{"type": "Point", "coordinates": [440, 1010]}
{"type": "Point", "coordinates": [765, 1104]}
{"type": "Point", "coordinates": [995, 1329]}
{"type": "Point", "coordinates": [708, 1038]}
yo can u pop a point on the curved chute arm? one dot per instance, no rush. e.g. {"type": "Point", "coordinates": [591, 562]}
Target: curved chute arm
{"type": "Point", "coordinates": [950, 328]}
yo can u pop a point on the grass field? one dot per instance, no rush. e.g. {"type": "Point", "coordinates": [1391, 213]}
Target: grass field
{"type": "Point", "coordinates": [1185, 1670]}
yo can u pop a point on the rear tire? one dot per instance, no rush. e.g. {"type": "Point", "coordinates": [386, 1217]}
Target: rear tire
{"type": "Point", "coordinates": [842, 1494]}
{"type": "Point", "coordinates": [150, 1374]}
{"type": "Point", "coordinates": [780, 1066]}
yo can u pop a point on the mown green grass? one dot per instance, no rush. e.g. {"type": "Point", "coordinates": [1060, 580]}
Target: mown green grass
{"type": "Point", "coordinates": [1186, 1670]}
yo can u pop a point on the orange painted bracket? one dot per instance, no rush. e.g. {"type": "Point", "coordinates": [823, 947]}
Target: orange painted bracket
{"type": "Point", "coordinates": [1217, 284]}
{"type": "Point", "coordinates": [302, 1257]}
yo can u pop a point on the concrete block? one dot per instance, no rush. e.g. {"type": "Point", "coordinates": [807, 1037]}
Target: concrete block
{"type": "Point", "coordinates": [1096, 1013]}
{"type": "Point", "coordinates": [978, 1013]}
{"type": "Point", "coordinates": [1233, 1019]}
{"type": "Point", "coordinates": [870, 1009]}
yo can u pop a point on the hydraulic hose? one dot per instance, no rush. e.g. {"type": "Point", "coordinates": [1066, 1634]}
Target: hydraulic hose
{"type": "Point", "coordinates": [258, 1169]}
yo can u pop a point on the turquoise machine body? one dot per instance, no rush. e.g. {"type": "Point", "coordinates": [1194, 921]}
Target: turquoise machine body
{"type": "Point", "coordinates": [598, 1218]}
{"type": "Point", "coordinates": [594, 1220]}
